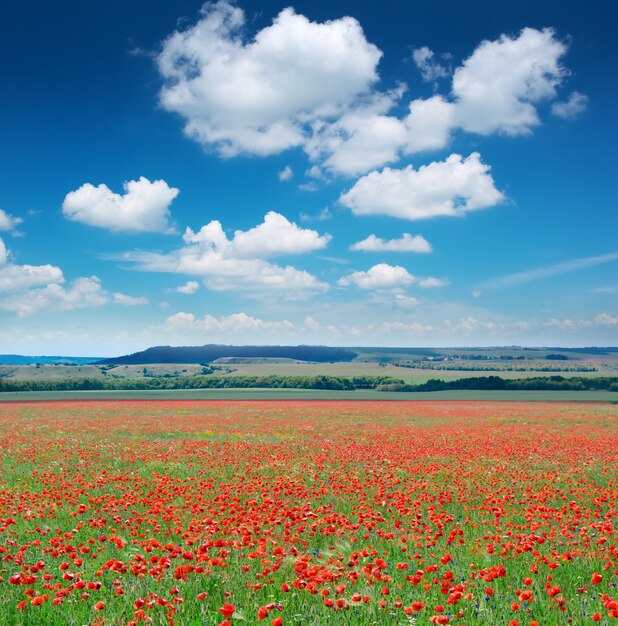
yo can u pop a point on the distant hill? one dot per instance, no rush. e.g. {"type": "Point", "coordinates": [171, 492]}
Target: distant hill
{"type": "Point", "coordinates": [212, 352]}
{"type": "Point", "coordinates": [20, 359]}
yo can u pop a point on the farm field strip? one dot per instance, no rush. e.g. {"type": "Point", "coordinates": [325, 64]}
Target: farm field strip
{"type": "Point", "coordinates": [305, 512]}
{"type": "Point", "coordinates": [255, 394]}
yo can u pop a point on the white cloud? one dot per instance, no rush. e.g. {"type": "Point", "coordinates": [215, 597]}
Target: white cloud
{"type": "Point", "coordinates": [286, 173]}
{"type": "Point", "coordinates": [275, 236]}
{"type": "Point", "coordinates": [606, 320]}
{"type": "Point", "coordinates": [406, 243]}
{"type": "Point", "coordinates": [259, 96]}
{"type": "Point", "coordinates": [312, 85]}
{"type": "Point", "coordinates": [429, 124]}
{"type": "Point", "coordinates": [309, 187]}
{"type": "Point", "coordinates": [571, 108]}
{"type": "Point", "coordinates": [189, 287]}
{"type": "Point", "coordinates": [234, 323]}
{"type": "Point", "coordinates": [412, 328]}
{"type": "Point", "coordinates": [451, 187]}
{"type": "Point", "coordinates": [363, 137]}
{"type": "Point", "coordinates": [432, 282]}
{"type": "Point", "coordinates": [17, 277]}
{"type": "Point", "coordinates": [238, 264]}
{"type": "Point", "coordinates": [599, 320]}
{"type": "Point", "coordinates": [144, 207]}
{"type": "Point", "coordinates": [380, 276]}
{"type": "Point", "coordinates": [83, 292]}
{"type": "Point", "coordinates": [565, 324]}
{"type": "Point", "coordinates": [430, 69]}
{"type": "Point", "coordinates": [8, 222]}
{"type": "Point", "coordinates": [123, 298]}
{"type": "Point", "coordinates": [496, 88]}
{"type": "Point", "coordinates": [315, 172]}
{"type": "Point", "coordinates": [27, 289]}
{"type": "Point", "coordinates": [312, 324]}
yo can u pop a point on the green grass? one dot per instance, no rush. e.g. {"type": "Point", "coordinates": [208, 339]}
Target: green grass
{"type": "Point", "coordinates": [311, 394]}
{"type": "Point", "coordinates": [354, 368]}
{"type": "Point", "coordinates": [410, 375]}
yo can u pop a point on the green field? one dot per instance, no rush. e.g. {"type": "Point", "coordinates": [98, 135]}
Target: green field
{"type": "Point", "coordinates": [409, 375]}
{"type": "Point", "coordinates": [44, 372]}
{"type": "Point", "coordinates": [275, 368]}
{"type": "Point", "coordinates": [311, 394]}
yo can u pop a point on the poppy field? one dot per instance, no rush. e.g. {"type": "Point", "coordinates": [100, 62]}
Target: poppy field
{"type": "Point", "coordinates": [308, 512]}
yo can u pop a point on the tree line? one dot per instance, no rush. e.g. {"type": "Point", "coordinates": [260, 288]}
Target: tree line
{"type": "Point", "coordinates": [340, 383]}
{"type": "Point", "coordinates": [489, 383]}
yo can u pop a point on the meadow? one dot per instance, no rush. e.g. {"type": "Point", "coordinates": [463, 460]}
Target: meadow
{"type": "Point", "coordinates": [305, 512]}
{"type": "Point", "coordinates": [272, 367]}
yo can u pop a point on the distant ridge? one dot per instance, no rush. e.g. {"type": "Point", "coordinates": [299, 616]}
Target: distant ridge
{"type": "Point", "coordinates": [212, 352]}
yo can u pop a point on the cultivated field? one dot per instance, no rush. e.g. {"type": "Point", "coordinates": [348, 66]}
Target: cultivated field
{"type": "Point", "coordinates": [409, 375]}
{"type": "Point", "coordinates": [256, 393]}
{"type": "Point", "coordinates": [307, 512]}
{"type": "Point", "coordinates": [274, 367]}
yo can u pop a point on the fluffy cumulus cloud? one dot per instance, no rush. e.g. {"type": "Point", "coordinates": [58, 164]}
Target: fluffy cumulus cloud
{"type": "Point", "coordinates": [429, 124]}
{"type": "Point", "coordinates": [8, 222]}
{"type": "Point", "coordinates": [82, 293]}
{"type": "Point", "coordinates": [190, 287]}
{"type": "Point", "coordinates": [495, 90]}
{"type": "Point", "coordinates": [144, 206]}
{"type": "Point", "coordinates": [311, 85]}
{"type": "Point", "coordinates": [380, 276]}
{"type": "Point", "coordinates": [259, 96]}
{"type": "Point", "coordinates": [497, 87]}
{"type": "Point", "coordinates": [15, 277]}
{"type": "Point", "coordinates": [275, 236]}
{"type": "Point", "coordinates": [444, 188]}
{"type": "Point", "coordinates": [239, 263]}
{"type": "Point", "coordinates": [26, 289]}
{"type": "Point", "coordinates": [363, 137]}
{"type": "Point", "coordinates": [405, 243]}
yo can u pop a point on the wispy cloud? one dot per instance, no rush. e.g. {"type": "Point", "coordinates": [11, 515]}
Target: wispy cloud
{"type": "Point", "coordinates": [547, 271]}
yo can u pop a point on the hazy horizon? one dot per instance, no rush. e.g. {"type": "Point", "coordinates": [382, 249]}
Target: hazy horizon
{"type": "Point", "coordinates": [351, 346]}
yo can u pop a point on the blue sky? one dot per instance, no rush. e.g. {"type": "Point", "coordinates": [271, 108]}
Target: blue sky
{"type": "Point", "coordinates": [343, 173]}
